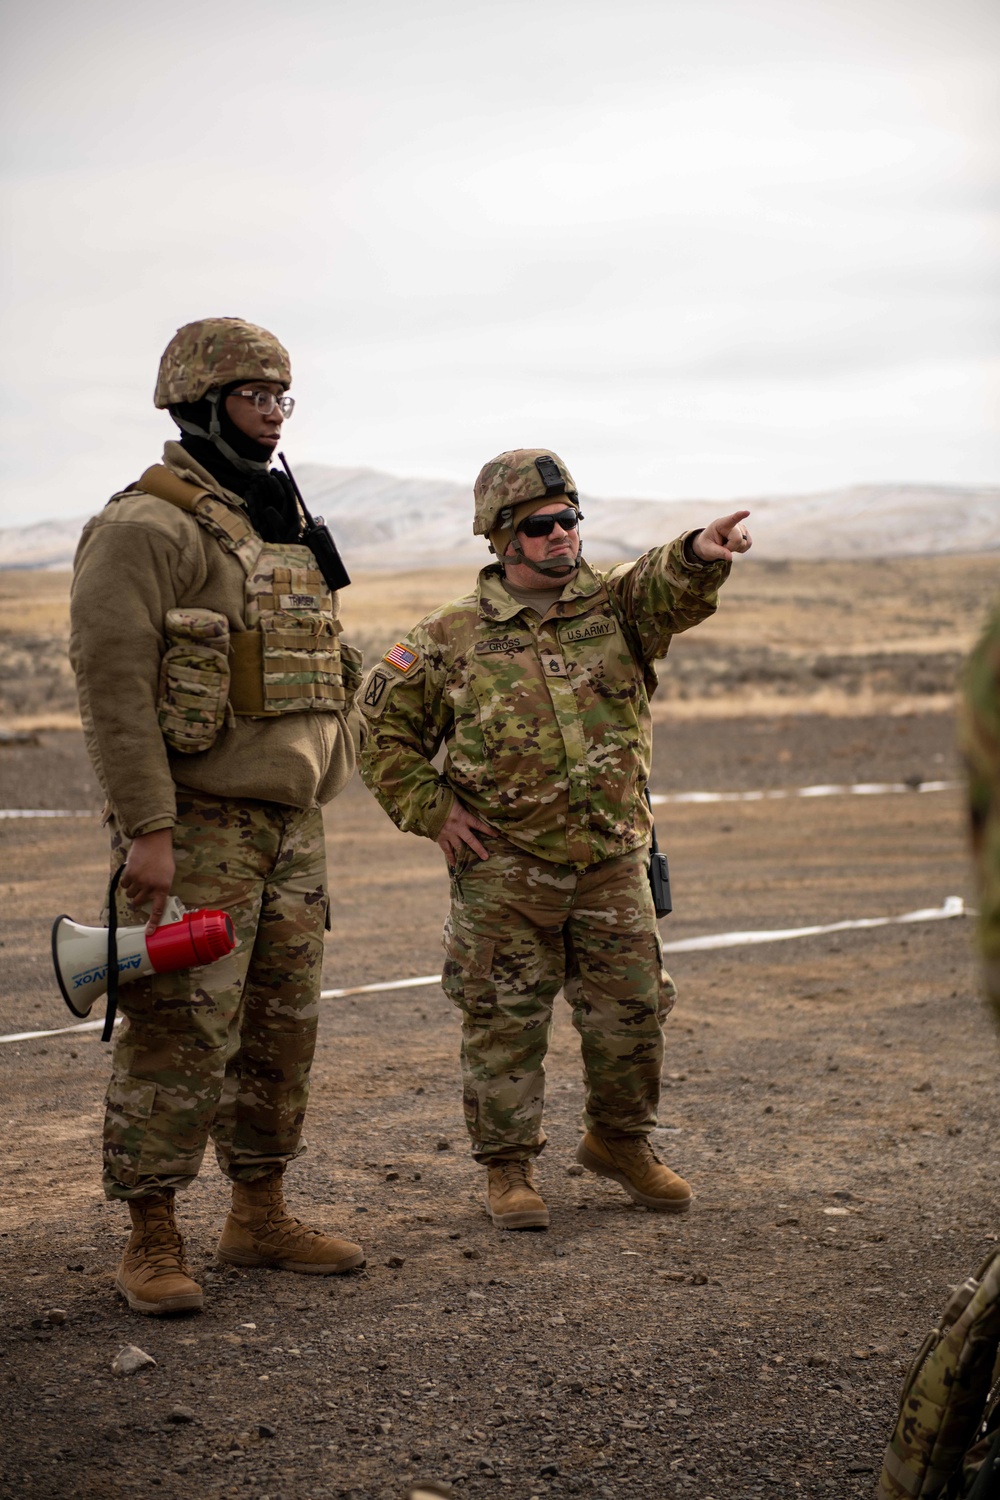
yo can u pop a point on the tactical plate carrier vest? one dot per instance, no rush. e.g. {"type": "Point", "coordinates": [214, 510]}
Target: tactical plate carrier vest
{"type": "Point", "coordinates": [288, 659]}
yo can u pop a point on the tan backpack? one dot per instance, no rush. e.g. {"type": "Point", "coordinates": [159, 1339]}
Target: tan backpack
{"type": "Point", "coordinates": [946, 1444]}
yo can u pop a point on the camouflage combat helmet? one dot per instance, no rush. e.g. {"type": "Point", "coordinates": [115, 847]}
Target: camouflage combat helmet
{"type": "Point", "coordinates": [511, 478]}
{"type": "Point", "coordinates": [518, 482]}
{"type": "Point", "coordinates": [213, 352]}
{"type": "Point", "coordinates": [202, 359]}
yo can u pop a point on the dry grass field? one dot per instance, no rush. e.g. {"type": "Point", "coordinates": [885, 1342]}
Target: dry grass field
{"type": "Point", "coordinates": [836, 637]}
{"type": "Point", "coordinates": [831, 1098]}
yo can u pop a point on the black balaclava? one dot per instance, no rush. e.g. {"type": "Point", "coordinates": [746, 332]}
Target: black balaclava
{"type": "Point", "coordinates": [239, 464]}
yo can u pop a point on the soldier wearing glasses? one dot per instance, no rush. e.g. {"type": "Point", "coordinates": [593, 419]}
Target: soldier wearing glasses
{"type": "Point", "coordinates": [215, 697]}
{"type": "Point", "coordinates": [538, 687]}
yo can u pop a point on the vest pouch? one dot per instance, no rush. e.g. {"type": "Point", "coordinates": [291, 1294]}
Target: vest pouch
{"type": "Point", "coordinates": [194, 679]}
{"type": "Point", "coordinates": [301, 661]}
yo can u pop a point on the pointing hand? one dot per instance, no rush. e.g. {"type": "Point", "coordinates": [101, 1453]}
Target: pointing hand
{"type": "Point", "coordinates": [718, 542]}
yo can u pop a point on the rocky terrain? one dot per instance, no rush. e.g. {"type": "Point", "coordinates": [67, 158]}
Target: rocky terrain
{"type": "Point", "coordinates": [832, 1100]}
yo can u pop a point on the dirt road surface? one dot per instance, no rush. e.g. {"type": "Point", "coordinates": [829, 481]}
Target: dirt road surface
{"type": "Point", "coordinates": [832, 1100]}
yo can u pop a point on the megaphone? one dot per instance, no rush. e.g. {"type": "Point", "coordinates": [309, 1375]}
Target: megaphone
{"type": "Point", "coordinates": [82, 956]}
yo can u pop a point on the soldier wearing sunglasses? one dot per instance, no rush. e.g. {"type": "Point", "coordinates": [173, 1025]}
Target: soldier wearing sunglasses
{"type": "Point", "coordinates": [538, 686]}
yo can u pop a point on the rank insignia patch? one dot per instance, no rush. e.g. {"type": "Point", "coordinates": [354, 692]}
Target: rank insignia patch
{"type": "Point", "coordinates": [401, 657]}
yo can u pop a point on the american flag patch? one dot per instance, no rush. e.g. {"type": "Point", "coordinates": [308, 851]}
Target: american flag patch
{"type": "Point", "coordinates": [401, 657]}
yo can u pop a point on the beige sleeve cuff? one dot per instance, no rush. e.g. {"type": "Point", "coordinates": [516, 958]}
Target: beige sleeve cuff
{"type": "Point", "coordinates": [151, 825]}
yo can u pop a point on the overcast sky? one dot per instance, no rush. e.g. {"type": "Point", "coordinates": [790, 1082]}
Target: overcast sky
{"type": "Point", "coordinates": [701, 247]}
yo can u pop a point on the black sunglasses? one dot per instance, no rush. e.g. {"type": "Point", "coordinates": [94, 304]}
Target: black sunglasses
{"type": "Point", "coordinates": [537, 525]}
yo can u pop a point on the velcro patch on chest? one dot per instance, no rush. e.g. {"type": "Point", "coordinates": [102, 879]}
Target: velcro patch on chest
{"type": "Point", "coordinates": [501, 645]}
{"type": "Point", "coordinates": [401, 657]}
{"type": "Point", "coordinates": [587, 630]}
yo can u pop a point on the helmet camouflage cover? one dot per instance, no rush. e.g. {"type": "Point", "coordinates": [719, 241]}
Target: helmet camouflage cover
{"type": "Point", "coordinates": [214, 352]}
{"type": "Point", "coordinates": [514, 477]}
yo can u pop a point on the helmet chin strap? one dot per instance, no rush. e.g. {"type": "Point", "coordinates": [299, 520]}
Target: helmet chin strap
{"type": "Point", "coordinates": [214, 436]}
{"type": "Point", "coordinates": [553, 567]}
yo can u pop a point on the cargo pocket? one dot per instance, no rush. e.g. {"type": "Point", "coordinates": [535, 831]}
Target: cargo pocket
{"type": "Point", "coordinates": [472, 953]}
{"type": "Point", "coordinates": [128, 1106]}
{"type": "Point", "coordinates": [194, 679]}
{"type": "Point", "coordinates": [667, 988]}
{"type": "Point", "coordinates": [468, 966]}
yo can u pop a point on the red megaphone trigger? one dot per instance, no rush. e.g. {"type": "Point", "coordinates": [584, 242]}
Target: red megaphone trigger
{"type": "Point", "coordinates": [200, 937]}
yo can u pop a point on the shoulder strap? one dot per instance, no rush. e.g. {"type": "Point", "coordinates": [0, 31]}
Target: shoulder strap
{"type": "Point", "coordinates": [231, 529]}
{"type": "Point", "coordinates": [159, 481]}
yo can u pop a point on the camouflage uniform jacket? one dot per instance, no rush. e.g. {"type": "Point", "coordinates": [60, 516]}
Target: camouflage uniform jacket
{"type": "Point", "coordinates": [980, 741]}
{"type": "Point", "coordinates": [138, 558]}
{"type": "Point", "coordinates": [546, 721]}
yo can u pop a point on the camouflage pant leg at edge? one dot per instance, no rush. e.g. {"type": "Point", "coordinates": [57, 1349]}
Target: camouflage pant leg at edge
{"type": "Point", "coordinates": [619, 994]}
{"type": "Point", "coordinates": [182, 1031]}
{"type": "Point", "coordinates": [504, 964]}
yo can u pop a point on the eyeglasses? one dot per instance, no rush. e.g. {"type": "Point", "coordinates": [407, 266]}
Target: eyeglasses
{"type": "Point", "coordinates": [537, 525]}
{"type": "Point", "coordinates": [266, 401]}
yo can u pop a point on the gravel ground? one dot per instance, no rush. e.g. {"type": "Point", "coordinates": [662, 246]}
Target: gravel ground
{"type": "Point", "coordinates": [832, 1100]}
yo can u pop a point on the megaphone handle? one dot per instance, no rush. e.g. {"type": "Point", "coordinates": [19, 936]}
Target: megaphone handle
{"type": "Point", "coordinates": [109, 1014]}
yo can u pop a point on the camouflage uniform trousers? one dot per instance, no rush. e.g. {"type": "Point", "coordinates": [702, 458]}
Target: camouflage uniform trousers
{"type": "Point", "coordinates": [225, 1049]}
{"type": "Point", "coordinates": [520, 928]}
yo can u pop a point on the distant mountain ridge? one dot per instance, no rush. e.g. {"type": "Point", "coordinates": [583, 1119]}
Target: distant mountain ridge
{"type": "Point", "coordinates": [385, 522]}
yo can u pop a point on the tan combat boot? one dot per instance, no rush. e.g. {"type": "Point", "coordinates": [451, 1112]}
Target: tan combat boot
{"type": "Point", "coordinates": [632, 1161]}
{"type": "Point", "coordinates": [153, 1275]}
{"type": "Point", "coordinates": [511, 1198]}
{"type": "Point", "coordinates": [261, 1232]}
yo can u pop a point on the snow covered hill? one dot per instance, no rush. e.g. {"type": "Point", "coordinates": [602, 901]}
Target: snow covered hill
{"type": "Point", "coordinates": [384, 522]}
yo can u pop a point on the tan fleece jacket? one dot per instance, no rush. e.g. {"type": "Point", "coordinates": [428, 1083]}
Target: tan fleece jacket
{"type": "Point", "coordinates": [138, 558]}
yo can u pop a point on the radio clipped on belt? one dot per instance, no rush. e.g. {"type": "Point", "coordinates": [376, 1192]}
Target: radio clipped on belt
{"type": "Point", "coordinates": [659, 872]}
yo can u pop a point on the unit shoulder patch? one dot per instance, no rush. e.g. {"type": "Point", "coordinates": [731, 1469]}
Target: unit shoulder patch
{"type": "Point", "coordinates": [377, 684]}
{"type": "Point", "coordinates": [401, 657]}
{"type": "Point", "coordinates": [501, 645]}
{"type": "Point", "coordinates": [588, 630]}
{"type": "Point", "coordinates": [376, 692]}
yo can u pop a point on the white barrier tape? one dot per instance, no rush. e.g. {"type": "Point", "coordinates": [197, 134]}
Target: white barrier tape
{"type": "Point", "coordinates": [47, 812]}
{"type": "Point", "coordinates": [32, 1036]}
{"type": "Point", "coordinates": [953, 906]}
{"type": "Point", "coordinates": [859, 789]}
{"type": "Point", "coordinates": [362, 989]}
{"type": "Point", "coordinates": [375, 989]}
